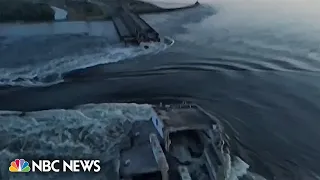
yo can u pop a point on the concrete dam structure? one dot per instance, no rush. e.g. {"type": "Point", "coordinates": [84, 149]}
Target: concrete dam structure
{"type": "Point", "coordinates": [132, 29]}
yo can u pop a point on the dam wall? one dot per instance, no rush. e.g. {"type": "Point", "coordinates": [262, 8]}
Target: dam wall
{"type": "Point", "coordinates": [131, 28]}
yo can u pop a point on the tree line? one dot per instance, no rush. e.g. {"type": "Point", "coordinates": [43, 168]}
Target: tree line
{"type": "Point", "coordinates": [25, 11]}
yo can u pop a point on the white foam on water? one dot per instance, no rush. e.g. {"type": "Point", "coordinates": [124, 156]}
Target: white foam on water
{"type": "Point", "coordinates": [236, 168]}
{"type": "Point", "coordinates": [255, 176]}
{"type": "Point", "coordinates": [89, 131]}
{"type": "Point", "coordinates": [59, 14]}
{"type": "Point", "coordinates": [50, 72]}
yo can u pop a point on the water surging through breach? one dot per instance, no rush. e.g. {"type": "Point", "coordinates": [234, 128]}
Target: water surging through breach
{"type": "Point", "coordinates": [49, 73]}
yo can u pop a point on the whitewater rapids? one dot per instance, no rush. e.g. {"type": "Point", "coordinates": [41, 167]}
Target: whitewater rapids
{"type": "Point", "coordinates": [90, 131]}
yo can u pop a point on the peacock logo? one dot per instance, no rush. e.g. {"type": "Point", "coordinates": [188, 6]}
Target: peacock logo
{"type": "Point", "coordinates": [19, 165]}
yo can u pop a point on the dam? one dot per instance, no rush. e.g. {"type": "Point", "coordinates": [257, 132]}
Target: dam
{"type": "Point", "coordinates": [132, 29]}
{"type": "Point", "coordinates": [122, 23]}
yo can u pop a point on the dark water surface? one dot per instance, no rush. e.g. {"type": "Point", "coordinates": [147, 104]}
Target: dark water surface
{"type": "Point", "coordinates": [254, 64]}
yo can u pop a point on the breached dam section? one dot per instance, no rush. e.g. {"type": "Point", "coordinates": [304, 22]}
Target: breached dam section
{"type": "Point", "coordinates": [133, 29]}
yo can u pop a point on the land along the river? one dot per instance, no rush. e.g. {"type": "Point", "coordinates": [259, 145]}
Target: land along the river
{"type": "Point", "coordinates": [77, 10]}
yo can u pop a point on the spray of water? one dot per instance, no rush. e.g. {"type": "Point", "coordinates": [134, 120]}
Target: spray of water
{"type": "Point", "coordinates": [51, 72]}
{"type": "Point", "coordinates": [90, 131]}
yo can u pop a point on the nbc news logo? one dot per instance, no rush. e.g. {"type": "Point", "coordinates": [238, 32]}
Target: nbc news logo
{"type": "Point", "coordinates": [20, 165]}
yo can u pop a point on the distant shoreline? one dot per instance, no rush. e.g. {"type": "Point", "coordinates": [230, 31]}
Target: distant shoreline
{"type": "Point", "coordinates": [22, 12]}
{"type": "Point", "coordinates": [13, 11]}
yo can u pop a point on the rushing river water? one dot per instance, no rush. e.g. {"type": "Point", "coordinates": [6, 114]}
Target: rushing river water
{"type": "Point", "coordinates": [253, 64]}
{"type": "Point", "coordinates": [59, 14]}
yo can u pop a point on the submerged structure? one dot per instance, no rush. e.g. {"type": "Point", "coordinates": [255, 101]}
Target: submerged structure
{"type": "Point", "coordinates": [179, 142]}
{"type": "Point", "coordinates": [135, 142]}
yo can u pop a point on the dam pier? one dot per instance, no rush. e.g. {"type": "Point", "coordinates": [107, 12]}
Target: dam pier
{"type": "Point", "coordinates": [132, 29]}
